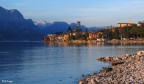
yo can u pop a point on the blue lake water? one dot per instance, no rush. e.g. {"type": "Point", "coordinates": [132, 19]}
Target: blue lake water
{"type": "Point", "coordinates": [54, 63]}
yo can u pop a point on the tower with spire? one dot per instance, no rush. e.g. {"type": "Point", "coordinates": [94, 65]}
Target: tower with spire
{"type": "Point", "coordinates": [130, 21]}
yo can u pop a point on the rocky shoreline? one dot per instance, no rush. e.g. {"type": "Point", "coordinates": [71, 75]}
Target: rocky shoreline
{"type": "Point", "coordinates": [127, 69]}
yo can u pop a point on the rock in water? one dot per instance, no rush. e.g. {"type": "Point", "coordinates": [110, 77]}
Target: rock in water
{"type": "Point", "coordinates": [140, 53]}
{"type": "Point", "coordinates": [107, 59]}
{"type": "Point", "coordinates": [93, 81]}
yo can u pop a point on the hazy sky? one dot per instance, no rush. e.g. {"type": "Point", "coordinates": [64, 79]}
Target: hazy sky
{"type": "Point", "coordinates": [89, 12]}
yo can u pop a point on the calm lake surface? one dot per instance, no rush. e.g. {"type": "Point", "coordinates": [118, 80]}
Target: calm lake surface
{"type": "Point", "coordinates": [54, 63]}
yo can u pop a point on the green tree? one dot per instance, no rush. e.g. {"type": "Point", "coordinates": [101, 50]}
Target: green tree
{"type": "Point", "coordinates": [140, 31]}
{"type": "Point", "coordinates": [126, 32]}
{"type": "Point", "coordinates": [70, 33]}
{"type": "Point", "coordinates": [106, 33]}
{"type": "Point", "coordinates": [86, 34]}
{"type": "Point", "coordinates": [137, 32]}
{"type": "Point", "coordinates": [133, 31]}
{"type": "Point", "coordinates": [116, 35]}
{"type": "Point", "coordinates": [69, 30]}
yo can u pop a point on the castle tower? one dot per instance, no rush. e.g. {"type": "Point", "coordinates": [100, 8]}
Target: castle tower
{"type": "Point", "coordinates": [78, 24]}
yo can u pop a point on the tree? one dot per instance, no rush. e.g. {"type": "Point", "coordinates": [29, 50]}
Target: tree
{"type": "Point", "coordinates": [86, 33]}
{"type": "Point", "coordinates": [69, 30]}
{"type": "Point", "coordinates": [106, 33]}
{"type": "Point", "coordinates": [137, 32]}
{"type": "Point", "coordinates": [70, 33]}
{"type": "Point", "coordinates": [140, 31]}
{"type": "Point", "coordinates": [133, 31]}
{"type": "Point", "coordinates": [126, 32]}
{"type": "Point", "coordinates": [116, 34]}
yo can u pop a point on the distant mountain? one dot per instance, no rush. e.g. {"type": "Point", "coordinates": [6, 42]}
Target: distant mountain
{"type": "Point", "coordinates": [83, 27]}
{"type": "Point", "coordinates": [42, 24]}
{"type": "Point", "coordinates": [94, 28]}
{"type": "Point", "coordinates": [56, 27]}
{"type": "Point", "coordinates": [59, 27]}
{"type": "Point", "coordinates": [13, 26]}
{"type": "Point", "coordinates": [72, 25]}
{"type": "Point", "coordinates": [49, 28]}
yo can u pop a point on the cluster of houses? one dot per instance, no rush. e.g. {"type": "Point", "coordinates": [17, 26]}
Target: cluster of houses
{"type": "Point", "coordinates": [75, 32]}
{"type": "Point", "coordinates": [65, 36]}
{"type": "Point", "coordinates": [56, 37]}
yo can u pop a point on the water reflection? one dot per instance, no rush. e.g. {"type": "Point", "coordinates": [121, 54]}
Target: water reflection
{"type": "Point", "coordinates": [66, 44]}
{"type": "Point", "coordinates": [126, 43]}
{"type": "Point", "coordinates": [47, 63]}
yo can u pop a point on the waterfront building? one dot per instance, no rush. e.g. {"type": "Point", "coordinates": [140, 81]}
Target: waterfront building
{"type": "Point", "coordinates": [111, 28]}
{"type": "Point", "coordinates": [120, 25]}
{"type": "Point", "coordinates": [77, 28]}
{"type": "Point", "coordinates": [60, 38]}
{"type": "Point", "coordinates": [65, 37]}
{"type": "Point", "coordinates": [94, 35]}
{"type": "Point", "coordinates": [52, 37]}
{"type": "Point", "coordinates": [75, 33]}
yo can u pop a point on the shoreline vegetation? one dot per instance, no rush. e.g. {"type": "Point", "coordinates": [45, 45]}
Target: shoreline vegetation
{"type": "Point", "coordinates": [126, 69]}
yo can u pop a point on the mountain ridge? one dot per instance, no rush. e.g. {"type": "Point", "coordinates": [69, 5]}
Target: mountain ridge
{"type": "Point", "coordinates": [13, 26]}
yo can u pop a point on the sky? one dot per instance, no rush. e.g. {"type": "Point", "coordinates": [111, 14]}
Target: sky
{"type": "Point", "coordinates": [89, 12]}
